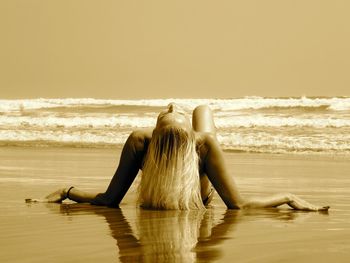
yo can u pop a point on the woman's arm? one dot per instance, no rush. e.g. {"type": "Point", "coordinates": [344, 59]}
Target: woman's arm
{"type": "Point", "coordinates": [129, 165]}
{"type": "Point", "coordinates": [227, 189]}
{"type": "Point", "coordinates": [71, 193]}
{"type": "Point", "coordinates": [291, 200]}
{"type": "Point", "coordinates": [215, 168]}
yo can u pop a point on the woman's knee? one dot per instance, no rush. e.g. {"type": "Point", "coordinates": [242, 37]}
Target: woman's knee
{"type": "Point", "coordinates": [202, 119]}
{"type": "Point", "coordinates": [202, 109]}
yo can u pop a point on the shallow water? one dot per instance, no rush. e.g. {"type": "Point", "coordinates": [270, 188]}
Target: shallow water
{"type": "Point", "coordinates": [71, 232]}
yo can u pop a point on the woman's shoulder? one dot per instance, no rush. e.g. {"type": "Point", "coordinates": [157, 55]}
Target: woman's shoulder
{"type": "Point", "coordinates": [140, 138]}
{"type": "Point", "coordinates": [205, 137]}
{"type": "Point", "coordinates": [204, 141]}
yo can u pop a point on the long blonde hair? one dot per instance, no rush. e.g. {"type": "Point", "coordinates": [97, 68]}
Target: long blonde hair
{"type": "Point", "coordinates": [170, 176]}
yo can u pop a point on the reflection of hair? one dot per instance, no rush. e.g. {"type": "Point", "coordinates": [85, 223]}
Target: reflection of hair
{"type": "Point", "coordinates": [169, 236]}
{"type": "Point", "coordinates": [170, 176]}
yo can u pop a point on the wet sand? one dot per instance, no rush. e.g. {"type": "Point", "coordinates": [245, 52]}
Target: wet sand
{"type": "Point", "coordinates": [71, 232]}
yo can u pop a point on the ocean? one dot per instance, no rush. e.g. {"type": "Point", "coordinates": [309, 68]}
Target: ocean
{"type": "Point", "coordinates": [248, 124]}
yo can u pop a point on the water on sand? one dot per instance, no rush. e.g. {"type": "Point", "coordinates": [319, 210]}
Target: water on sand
{"type": "Point", "coordinates": [71, 232]}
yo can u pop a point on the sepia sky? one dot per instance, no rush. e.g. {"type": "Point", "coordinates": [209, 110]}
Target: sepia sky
{"type": "Point", "coordinates": [131, 49]}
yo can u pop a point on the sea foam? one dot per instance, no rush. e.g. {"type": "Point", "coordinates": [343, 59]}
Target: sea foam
{"type": "Point", "coordinates": [243, 124]}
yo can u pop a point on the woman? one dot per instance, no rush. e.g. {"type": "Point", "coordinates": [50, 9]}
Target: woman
{"type": "Point", "coordinates": [180, 163]}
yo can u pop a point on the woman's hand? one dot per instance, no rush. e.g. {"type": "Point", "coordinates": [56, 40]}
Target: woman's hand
{"type": "Point", "coordinates": [57, 196]}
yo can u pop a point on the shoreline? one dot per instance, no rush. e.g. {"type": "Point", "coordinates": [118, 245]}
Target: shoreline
{"type": "Point", "coordinates": [119, 147]}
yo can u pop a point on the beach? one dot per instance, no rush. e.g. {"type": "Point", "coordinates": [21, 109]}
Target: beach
{"type": "Point", "coordinates": [69, 232]}
{"type": "Point", "coordinates": [266, 82]}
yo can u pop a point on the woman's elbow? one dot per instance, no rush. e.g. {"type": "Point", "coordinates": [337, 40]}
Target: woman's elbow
{"type": "Point", "coordinates": [233, 207]}
{"type": "Point", "coordinates": [242, 203]}
{"type": "Point", "coordinates": [236, 205]}
{"type": "Point", "coordinates": [103, 199]}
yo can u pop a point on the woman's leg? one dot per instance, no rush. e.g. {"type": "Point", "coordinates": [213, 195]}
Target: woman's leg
{"type": "Point", "coordinates": [203, 121]}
